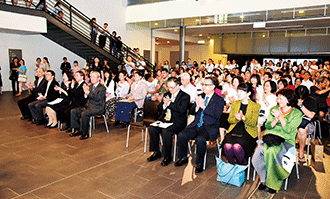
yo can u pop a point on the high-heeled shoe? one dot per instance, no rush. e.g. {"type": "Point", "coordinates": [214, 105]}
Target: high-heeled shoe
{"type": "Point", "coordinates": [18, 94]}
{"type": "Point", "coordinates": [48, 125]}
{"type": "Point", "coordinates": [53, 126]}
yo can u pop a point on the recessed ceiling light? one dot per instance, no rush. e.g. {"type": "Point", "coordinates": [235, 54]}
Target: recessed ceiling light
{"type": "Point", "coordinates": [168, 42]}
{"type": "Point", "coordinates": [200, 35]}
{"type": "Point", "coordinates": [156, 24]}
{"type": "Point", "coordinates": [175, 30]}
{"type": "Point", "coordinates": [301, 11]}
{"type": "Point", "coordinates": [263, 35]}
{"type": "Point", "coordinates": [197, 20]}
{"type": "Point", "coordinates": [241, 16]}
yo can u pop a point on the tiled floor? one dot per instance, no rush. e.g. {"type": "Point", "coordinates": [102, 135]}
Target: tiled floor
{"type": "Point", "coordinates": [46, 163]}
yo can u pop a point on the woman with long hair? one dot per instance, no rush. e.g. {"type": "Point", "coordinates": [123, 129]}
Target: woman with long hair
{"type": "Point", "coordinates": [46, 62]}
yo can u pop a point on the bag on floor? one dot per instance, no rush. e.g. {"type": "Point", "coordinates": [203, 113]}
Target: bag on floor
{"type": "Point", "coordinates": [230, 174]}
{"type": "Point", "coordinates": [317, 150]}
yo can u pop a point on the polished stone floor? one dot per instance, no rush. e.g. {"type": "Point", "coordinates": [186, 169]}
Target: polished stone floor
{"type": "Point", "coordinates": [46, 163]}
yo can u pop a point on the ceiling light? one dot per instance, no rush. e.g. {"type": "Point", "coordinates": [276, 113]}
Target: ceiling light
{"type": "Point", "coordinates": [263, 35]}
{"type": "Point", "coordinates": [301, 11]}
{"type": "Point", "coordinates": [175, 30]}
{"type": "Point", "coordinates": [201, 41]}
{"type": "Point", "coordinates": [241, 16]}
{"type": "Point", "coordinates": [168, 42]}
{"type": "Point", "coordinates": [200, 35]}
{"type": "Point", "coordinates": [197, 20]}
{"type": "Point", "coordinates": [156, 24]}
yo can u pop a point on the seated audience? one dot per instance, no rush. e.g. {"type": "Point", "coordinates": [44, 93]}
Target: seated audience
{"type": "Point", "coordinates": [63, 100]}
{"type": "Point", "coordinates": [95, 94]}
{"type": "Point", "coordinates": [78, 99]}
{"type": "Point", "coordinates": [161, 86]}
{"type": "Point", "coordinates": [240, 140]}
{"type": "Point", "coordinates": [49, 95]}
{"type": "Point", "coordinates": [173, 109]}
{"type": "Point", "coordinates": [208, 109]}
{"type": "Point", "coordinates": [320, 92]}
{"type": "Point", "coordinates": [39, 86]}
{"type": "Point", "coordinates": [267, 101]}
{"type": "Point", "coordinates": [135, 98]}
{"type": "Point", "coordinates": [152, 83]}
{"type": "Point", "coordinates": [308, 106]}
{"type": "Point", "coordinates": [187, 87]}
{"type": "Point", "coordinates": [281, 130]}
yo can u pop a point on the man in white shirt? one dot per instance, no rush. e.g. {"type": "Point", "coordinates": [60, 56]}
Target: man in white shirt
{"type": "Point", "coordinates": [209, 66]}
{"type": "Point", "coordinates": [219, 65]}
{"type": "Point", "coordinates": [235, 65]}
{"type": "Point", "coordinates": [305, 65]}
{"type": "Point", "coordinates": [306, 81]}
{"type": "Point", "coordinates": [229, 66]}
{"type": "Point", "coordinates": [187, 87]}
{"type": "Point", "coordinates": [141, 64]}
{"type": "Point", "coordinates": [314, 66]}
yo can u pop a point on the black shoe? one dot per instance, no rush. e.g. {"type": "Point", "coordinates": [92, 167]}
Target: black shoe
{"type": "Point", "coordinates": [64, 128]}
{"type": "Point", "coordinates": [69, 130]}
{"type": "Point", "coordinates": [272, 191]}
{"type": "Point", "coordinates": [52, 126]}
{"type": "Point", "coordinates": [47, 126]}
{"type": "Point", "coordinates": [125, 124]}
{"type": "Point", "coordinates": [34, 121]}
{"type": "Point", "coordinates": [199, 168]}
{"type": "Point", "coordinates": [155, 155]}
{"type": "Point", "coordinates": [39, 123]}
{"type": "Point", "coordinates": [29, 119]}
{"type": "Point", "coordinates": [181, 161]}
{"type": "Point", "coordinates": [166, 161]}
{"type": "Point", "coordinates": [76, 134]}
{"type": "Point", "coordinates": [262, 187]}
{"type": "Point", "coordinates": [117, 123]}
{"type": "Point", "coordinates": [24, 117]}
{"type": "Point", "coordinates": [84, 136]}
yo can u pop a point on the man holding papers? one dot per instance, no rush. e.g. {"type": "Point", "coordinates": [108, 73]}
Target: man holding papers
{"type": "Point", "coordinates": [173, 110]}
{"type": "Point", "coordinates": [208, 109]}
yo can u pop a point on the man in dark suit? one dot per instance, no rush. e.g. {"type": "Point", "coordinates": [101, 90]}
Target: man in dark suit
{"type": "Point", "coordinates": [208, 109]}
{"type": "Point", "coordinates": [95, 94]}
{"type": "Point", "coordinates": [50, 95]}
{"type": "Point", "coordinates": [174, 110]}
{"type": "Point", "coordinates": [76, 92]}
{"type": "Point", "coordinates": [39, 86]}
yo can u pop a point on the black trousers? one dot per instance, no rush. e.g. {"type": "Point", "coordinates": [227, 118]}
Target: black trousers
{"type": "Point", "coordinates": [84, 114]}
{"type": "Point", "coordinates": [36, 109]}
{"type": "Point", "coordinates": [14, 85]}
{"type": "Point", "coordinates": [201, 136]}
{"type": "Point", "coordinates": [64, 114]}
{"type": "Point", "coordinates": [102, 40]}
{"type": "Point", "coordinates": [23, 105]}
{"type": "Point", "coordinates": [167, 135]}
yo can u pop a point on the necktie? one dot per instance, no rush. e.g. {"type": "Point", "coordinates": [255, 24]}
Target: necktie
{"type": "Point", "coordinates": [168, 112]}
{"type": "Point", "coordinates": [93, 89]}
{"type": "Point", "coordinates": [200, 123]}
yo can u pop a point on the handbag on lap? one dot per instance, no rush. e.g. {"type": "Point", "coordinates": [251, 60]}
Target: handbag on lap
{"type": "Point", "coordinates": [230, 174]}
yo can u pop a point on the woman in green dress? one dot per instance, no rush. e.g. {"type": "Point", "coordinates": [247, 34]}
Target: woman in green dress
{"type": "Point", "coordinates": [275, 155]}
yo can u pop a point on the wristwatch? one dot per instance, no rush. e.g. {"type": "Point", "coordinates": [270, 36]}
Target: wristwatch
{"type": "Point", "coordinates": [300, 106]}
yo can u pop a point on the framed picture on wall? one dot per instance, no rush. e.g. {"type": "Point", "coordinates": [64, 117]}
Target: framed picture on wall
{"type": "Point", "coordinates": [14, 53]}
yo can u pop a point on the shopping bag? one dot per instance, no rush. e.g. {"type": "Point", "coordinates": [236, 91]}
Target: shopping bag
{"type": "Point", "coordinates": [230, 174]}
{"type": "Point", "coordinates": [317, 150]}
{"type": "Point", "coordinates": [22, 78]}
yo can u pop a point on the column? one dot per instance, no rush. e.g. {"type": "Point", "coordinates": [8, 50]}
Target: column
{"type": "Point", "coordinates": [152, 48]}
{"type": "Point", "coordinates": [182, 42]}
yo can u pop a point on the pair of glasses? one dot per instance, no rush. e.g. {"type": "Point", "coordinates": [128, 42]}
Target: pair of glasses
{"type": "Point", "coordinates": [171, 87]}
{"type": "Point", "coordinates": [207, 84]}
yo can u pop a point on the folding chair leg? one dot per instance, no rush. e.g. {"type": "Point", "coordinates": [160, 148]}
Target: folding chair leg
{"type": "Point", "coordinates": [127, 139]}
{"type": "Point", "coordinates": [189, 147]}
{"type": "Point", "coordinates": [249, 167]}
{"type": "Point", "coordinates": [90, 126]}
{"type": "Point", "coordinates": [175, 142]}
{"type": "Point", "coordinates": [320, 130]}
{"type": "Point", "coordinates": [308, 144]}
{"type": "Point", "coordinates": [142, 135]}
{"type": "Point", "coordinates": [254, 175]}
{"type": "Point", "coordinates": [161, 140]}
{"type": "Point", "coordinates": [286, 184]}
{"type": "Point", "coordinates": [105, 123]}
{"type": "Point", "coordinates": [145, 140]}
{"type": "Point", "coordinates": [219, 148]}
{"type": "Point", "coordinates": [297, 170]}
{"type": "Point", "coordinates": [204, 165]}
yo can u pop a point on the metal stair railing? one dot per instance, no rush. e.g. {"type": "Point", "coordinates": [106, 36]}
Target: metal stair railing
{"type": "Point", "coordinates": [80, 23]}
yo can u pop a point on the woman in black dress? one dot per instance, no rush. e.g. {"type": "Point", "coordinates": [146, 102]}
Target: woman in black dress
{"type": "Point", "coordinates": [14, 74]}
{"type": "Point", "coordinates": [63, 100]}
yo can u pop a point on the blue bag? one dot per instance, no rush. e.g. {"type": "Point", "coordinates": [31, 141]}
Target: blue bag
{"type": "Point", "coordinates": [230, 174]}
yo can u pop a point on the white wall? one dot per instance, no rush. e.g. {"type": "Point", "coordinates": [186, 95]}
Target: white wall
{"type": "Point", "coordinates": [190, 8]}
{"type": "Point", "coordinates": [22, 22]}
{"type": "Point", "coordinates": [33, 46]}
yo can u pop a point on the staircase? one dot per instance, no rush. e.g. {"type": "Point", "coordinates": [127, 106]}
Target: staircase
{"type": "Point", "coordinates": [73, 32]}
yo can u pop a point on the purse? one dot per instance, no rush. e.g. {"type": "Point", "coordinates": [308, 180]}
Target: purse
{"type": "Point", "coordinates": [230, 174]}
{"type": "Point", "coordinates": [272, 140]}
{"type": "Point", "coordinates": [22, 78]}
